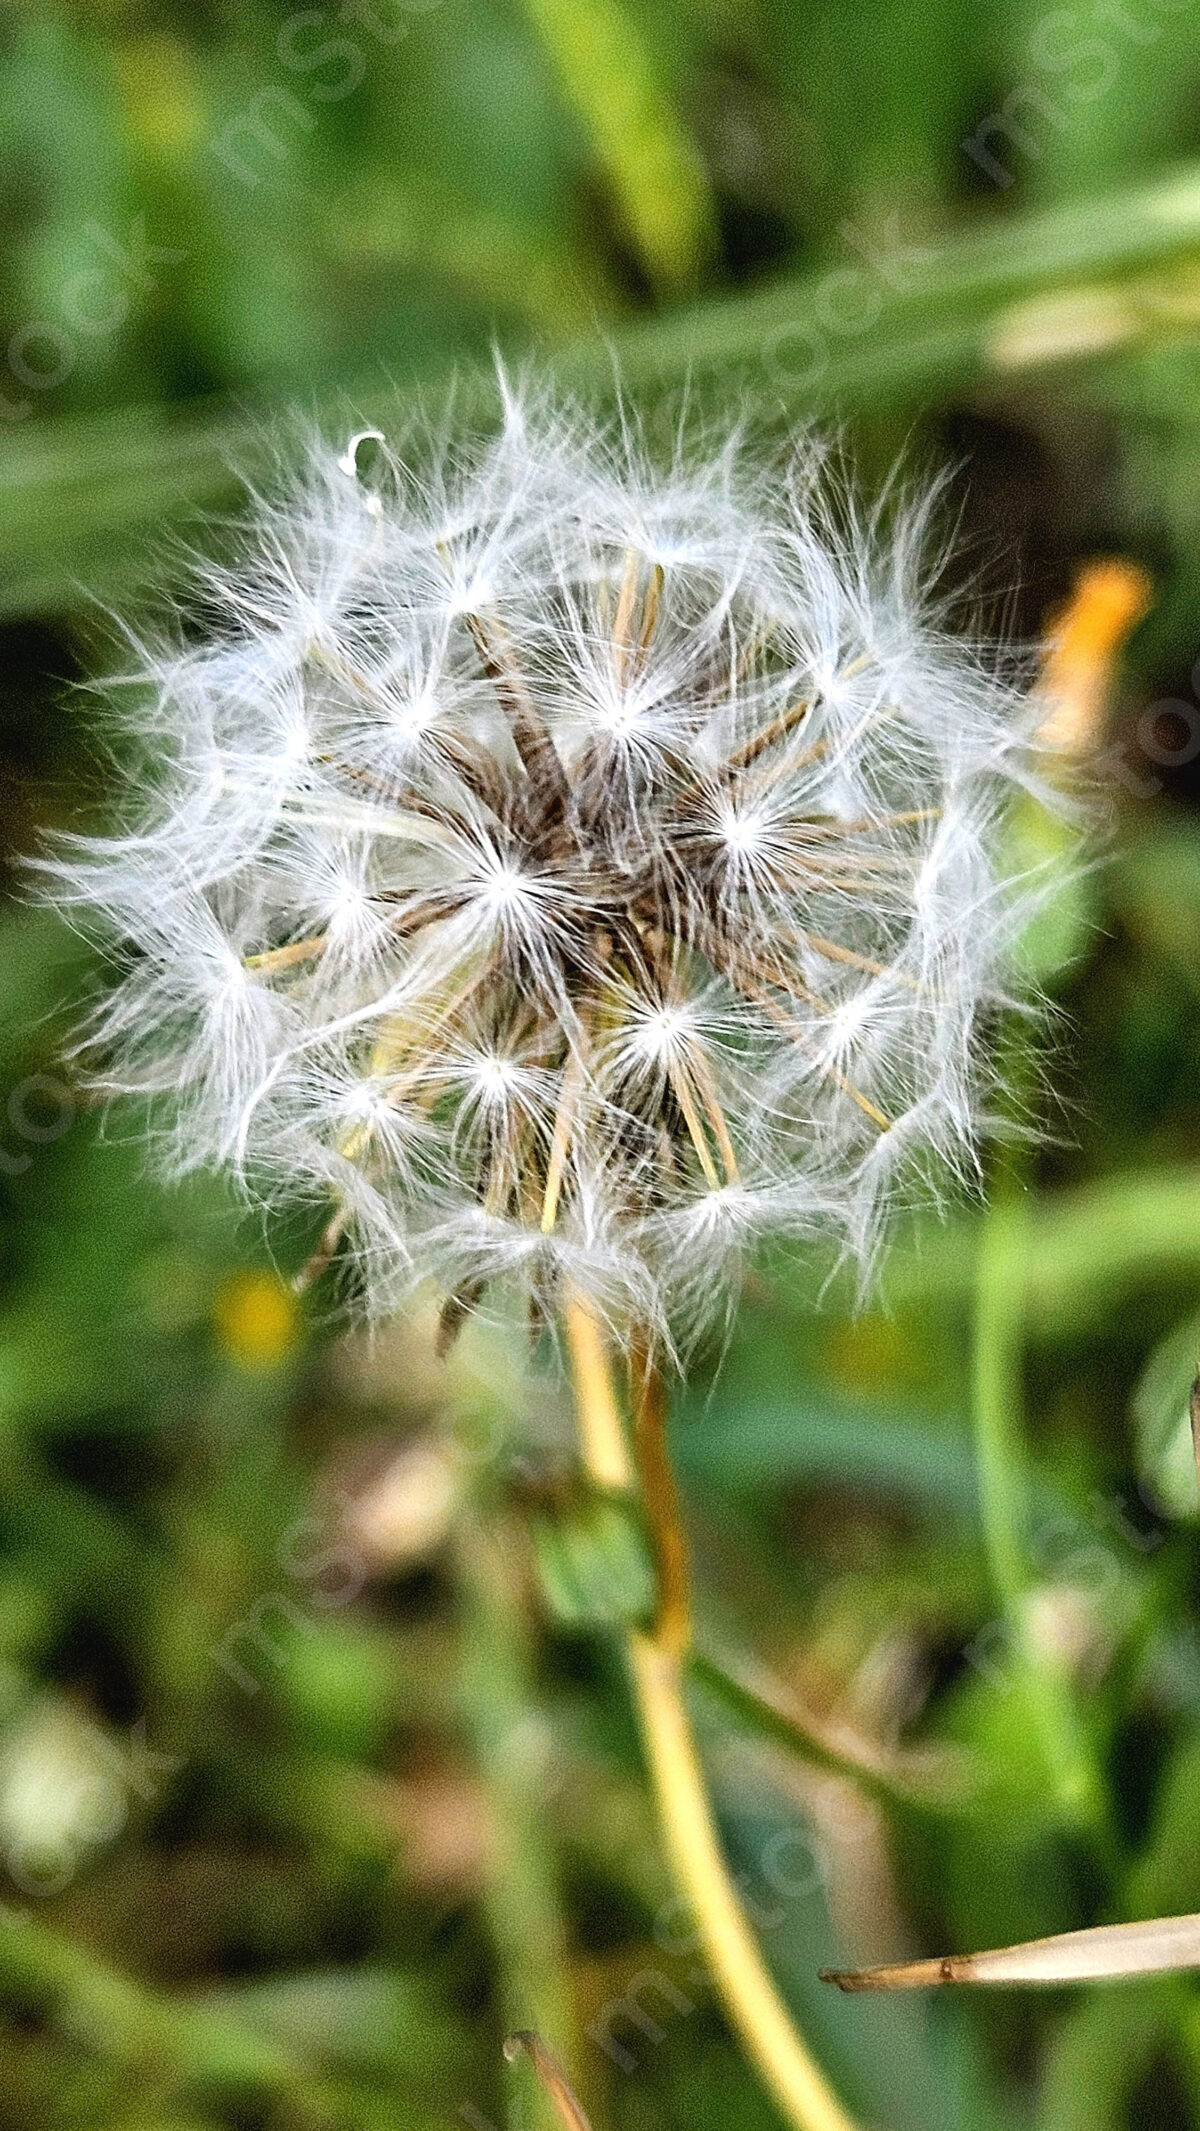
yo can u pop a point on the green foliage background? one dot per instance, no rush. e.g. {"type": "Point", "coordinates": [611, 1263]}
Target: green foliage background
{"type": "Point", "coordinates": [306, 1881]}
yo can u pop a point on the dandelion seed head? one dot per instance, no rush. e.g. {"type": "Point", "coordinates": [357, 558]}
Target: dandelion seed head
{"type": "Point", "coordinates": [581, 868]}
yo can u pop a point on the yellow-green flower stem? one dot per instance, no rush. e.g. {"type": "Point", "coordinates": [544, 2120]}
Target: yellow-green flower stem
{"type": "Point", "coordinates": [656, 1664]}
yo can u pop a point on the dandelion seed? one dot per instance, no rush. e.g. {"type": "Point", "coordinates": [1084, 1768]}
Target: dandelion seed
{"type": "Point", "coordinates": [581, 869]}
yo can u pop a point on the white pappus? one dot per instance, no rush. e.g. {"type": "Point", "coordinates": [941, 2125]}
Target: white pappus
{"type": "Point", "coordinates": [575, 868]}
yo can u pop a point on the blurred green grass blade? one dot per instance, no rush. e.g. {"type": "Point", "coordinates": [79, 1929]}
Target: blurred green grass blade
{"type": "Point", "coordinates": [522, 1897]}
{"type": "Point", "coordinates": [652, 169]}
{"type": "Point", "coordinates": [87, 1997]}
{"type": "Point", "coordinates": [512, 267]}
{"type": "Point", "coordinates": [997, 1402]}
{"type": "Point", "coordinates": [75, 494]}
{"type": "Point", "coordinates": [1167, 1873]}
{"type": "Point", "coordinates": [80, 498]}
{"type": "Point", "coordinates": [933, 1782]}
{"type": "Point", "coordinates": [1166, 1456]}
{"type": "Point", "coordinates": [371, 2019]}
{"type": "Point", "coordinates": [894, 2065]}
{"type": "Point", "coordinates": [1032, 290]}
{"type": "Point", "coordinates": [1099, 2057]}
{"type": "Point", "coordinates": [1081, 1247]}
{"type": "Point", "coordinates": [763, 1435]}
{"type": "Point", "coordinates": [1156, 887]}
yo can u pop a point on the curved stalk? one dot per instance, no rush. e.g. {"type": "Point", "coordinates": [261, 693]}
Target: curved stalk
{"type": "Point", "coordinates": [656, 1663]}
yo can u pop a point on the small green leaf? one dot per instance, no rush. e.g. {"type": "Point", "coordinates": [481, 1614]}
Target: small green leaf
{"type": "Point", "coordinates": [1162, 1426]}
{"type": "Point", "coordinates": [595, 1564]}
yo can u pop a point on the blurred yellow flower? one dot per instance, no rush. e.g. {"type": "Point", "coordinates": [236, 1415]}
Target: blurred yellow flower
{"type": "Point", "coordinates": [1110, 598]}
{"type": "Point", "coordinates": [257, 1321]}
